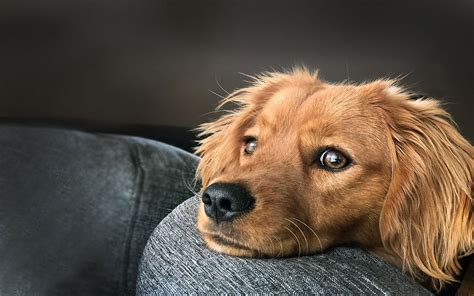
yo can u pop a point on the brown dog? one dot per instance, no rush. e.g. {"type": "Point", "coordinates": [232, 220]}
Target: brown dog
{"type": "Point", "coordinates": [303, 165]}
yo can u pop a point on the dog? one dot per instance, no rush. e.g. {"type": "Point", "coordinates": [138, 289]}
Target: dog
{"type": "Point", "coordinates": [302, 165]}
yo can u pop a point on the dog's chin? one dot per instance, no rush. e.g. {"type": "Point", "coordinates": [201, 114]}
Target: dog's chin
{"type": "Point", "coordinates": [232, 240]}
{"type": "Point", "coordinates": [229, 246]}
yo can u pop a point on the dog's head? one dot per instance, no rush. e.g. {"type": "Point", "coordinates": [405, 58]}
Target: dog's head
{"type": "Point", "coordinates": [304, 165]}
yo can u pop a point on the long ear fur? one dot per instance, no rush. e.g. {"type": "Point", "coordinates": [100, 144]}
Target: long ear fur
{"type": "Point", "coordinates": [427, 217]}
{"type": "Point", "coordinates": [221, 137]}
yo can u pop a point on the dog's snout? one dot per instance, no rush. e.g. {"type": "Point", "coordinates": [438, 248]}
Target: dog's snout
{"type": "Point", "coordinates": [224, 201]}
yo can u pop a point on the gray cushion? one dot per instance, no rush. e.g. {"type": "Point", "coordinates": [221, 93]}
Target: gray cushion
{"type": "Point", "coordinates": [175, 261]}
{"type": "Point", "coordinates": [76, 208]}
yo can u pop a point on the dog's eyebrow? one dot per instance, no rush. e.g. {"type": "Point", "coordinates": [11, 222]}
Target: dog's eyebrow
{"type": "Point", "coordinates": [265, 120]}
{"type": "Point", "coordinates": [324, 128]}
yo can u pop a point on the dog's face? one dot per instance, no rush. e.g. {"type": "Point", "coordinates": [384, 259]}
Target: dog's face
{"type": "Point", "coordinates": [304, 165]}
{"type": "Point", "coordinates": [313, 161]}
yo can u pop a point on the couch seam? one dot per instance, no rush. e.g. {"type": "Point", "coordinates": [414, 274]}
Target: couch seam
{"type": "Point", "coordinates": [136, 197]}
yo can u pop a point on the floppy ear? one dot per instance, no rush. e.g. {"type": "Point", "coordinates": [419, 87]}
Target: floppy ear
{"type": "Point", "coordinates": [427, 217]}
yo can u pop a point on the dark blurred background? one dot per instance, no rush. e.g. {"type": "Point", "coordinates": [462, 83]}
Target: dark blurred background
{"type": "Point", "coordinates": [143, 66]}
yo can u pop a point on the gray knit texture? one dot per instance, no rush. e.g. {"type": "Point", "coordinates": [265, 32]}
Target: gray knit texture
{"type": "Point", "coordinates": [175, 261]}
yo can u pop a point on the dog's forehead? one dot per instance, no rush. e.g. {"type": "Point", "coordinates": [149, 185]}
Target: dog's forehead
{"type": "Point", "coordinates": [329, 105]}
{"type": "Point", "coordinates": [338, 100]}
{"type": "Point", "coordinates": [340, 115]}
{"type": "Point", "coordinates": [282, 106]}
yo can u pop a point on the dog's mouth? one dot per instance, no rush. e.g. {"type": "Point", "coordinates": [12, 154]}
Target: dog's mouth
{"type": "Point", "coordinates": [227, 241]}
{"type": "Point", "coordinates": [230, 246]}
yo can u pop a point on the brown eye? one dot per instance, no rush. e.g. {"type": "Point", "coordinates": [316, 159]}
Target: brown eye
{"type": "Point", "coordinates": [333, 159]}
{"type": "Point", "coordinates": [250, 145]}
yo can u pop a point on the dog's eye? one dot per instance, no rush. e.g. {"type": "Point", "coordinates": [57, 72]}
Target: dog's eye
{"type": "Point", "coordinates": [333, 159]}
{"type": "Point", "coordinates": [250, 145]}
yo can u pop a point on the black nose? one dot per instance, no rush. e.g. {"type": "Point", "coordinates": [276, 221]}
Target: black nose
{"type": "Point", "coordinates": [224, 202]}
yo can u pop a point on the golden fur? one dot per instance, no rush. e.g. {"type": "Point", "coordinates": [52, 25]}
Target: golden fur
{"type": "Point", "coordinates": [407, 196]}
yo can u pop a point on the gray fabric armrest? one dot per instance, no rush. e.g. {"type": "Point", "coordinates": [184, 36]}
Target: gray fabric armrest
{"type": "Point", "coordinates": [76, 209]}
{"type": "Point", "coordinates": [175, 261]}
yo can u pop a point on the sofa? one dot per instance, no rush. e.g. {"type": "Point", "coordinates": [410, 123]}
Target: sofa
{"type": "Point", "coordinates": [78, 208]}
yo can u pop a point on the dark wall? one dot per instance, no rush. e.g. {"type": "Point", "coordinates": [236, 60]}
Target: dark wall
{"type": "Point", "coordinates": [152, 62]}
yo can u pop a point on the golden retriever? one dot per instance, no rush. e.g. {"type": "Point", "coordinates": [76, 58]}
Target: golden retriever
{"type": "Point", "coordinates": [303, 165]}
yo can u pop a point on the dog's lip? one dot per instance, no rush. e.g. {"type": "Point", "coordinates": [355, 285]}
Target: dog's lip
{"type": "Point", "coordinates": [225, 241]}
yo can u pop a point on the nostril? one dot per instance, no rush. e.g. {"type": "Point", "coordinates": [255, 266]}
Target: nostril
{"type": "Point", "coordinates": [224, 201]}
{"type": "Point", "coordinates": [206, 199]}
{"type": "Point", "coordinates": [225, 204]}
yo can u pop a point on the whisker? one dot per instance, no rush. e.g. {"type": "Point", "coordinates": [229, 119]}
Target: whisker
{"type": "Point", "coordinates": [280, 252]}
{"type": "Point", "coordinates": [259, 250]}
{"type": "Point", "coordinates": [312, 230]}
{"type": "Point", "coordinates": [272, 242]}
{"type": "Point", "coordinates": [272, 245]}
{"type": "Point", "coordinates": [304, 236]}
{"type": "Point", "coordinates": [189, 186]}
{"type": "Point", "coordinates": [297, 240]}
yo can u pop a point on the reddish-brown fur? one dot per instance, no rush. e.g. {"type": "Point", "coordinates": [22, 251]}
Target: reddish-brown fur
{"type": "Point", "coordinates": [407, 196]}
